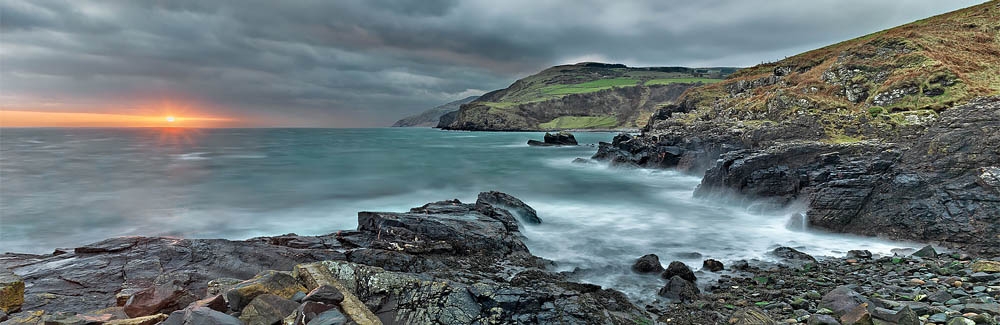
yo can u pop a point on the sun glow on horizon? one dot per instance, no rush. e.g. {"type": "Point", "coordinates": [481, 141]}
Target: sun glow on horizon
{"type": "Point", "coordinates": [11, 118]}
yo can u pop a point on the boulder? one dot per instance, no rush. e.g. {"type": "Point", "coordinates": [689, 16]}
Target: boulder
{"type": "Point", "coordinates": [268, 282]}
{"type": "Point", "coordinates": [679, 289]}
{"type": "Point", "coordinates": [649, 263]}
{"type": "Point", "coordinates": [678, 268]}
{"type": "Point", "coordinates": [859, 254]}
{"type": "Point", "coordinates": [750, 316]}
{"type": "Point", "coordinates": [329, 317]}
{"type": "Point", "coordinates": [308, 311]}
{"type": "Point", "coordinates": [558, 139]}
{"type": "Point", "coordinates": [162, 298]}
{"type": "Point", "coordinates": [326, 294]}
{"type": "Point", "coordinates": [200, 316]}
{"type": "Point", "coordinates": [267, 309]}
{"type": "Point", "coordinates": [505, 201]}
{"type": "Point", "coordinates": [859, 315]}
{"type": "Point", "coordinates": [11, 291]}
{"type": "Point", "coordinates": [842, 300]}
{"type": "Point", "coordinates": [926, 252]}
{"type": "Point", "coordinates": [712, 265]}
{"type": "Point", "coordinates": [793, 255]}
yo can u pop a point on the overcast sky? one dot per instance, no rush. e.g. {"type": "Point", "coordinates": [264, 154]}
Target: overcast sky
{"type": "Point", "coordinates": [348, 63]}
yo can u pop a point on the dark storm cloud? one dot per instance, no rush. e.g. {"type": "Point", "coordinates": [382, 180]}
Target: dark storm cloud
{"type": "Point", "coordinates": [365, 63]}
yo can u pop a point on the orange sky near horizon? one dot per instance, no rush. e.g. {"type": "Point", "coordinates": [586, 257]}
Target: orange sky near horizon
{"type": "Point", "coordinates": [16, 118]}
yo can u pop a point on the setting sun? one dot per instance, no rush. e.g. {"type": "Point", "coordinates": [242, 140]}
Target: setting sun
{"type": "Point", "coordinates": [170, 119]}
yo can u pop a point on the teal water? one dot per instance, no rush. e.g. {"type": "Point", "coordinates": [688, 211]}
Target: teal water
{"type": "Point", "coordinates": [69, 187]}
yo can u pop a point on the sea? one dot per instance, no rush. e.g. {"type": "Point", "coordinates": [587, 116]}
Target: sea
{"type": "Point", "coordinates": [65, 187]}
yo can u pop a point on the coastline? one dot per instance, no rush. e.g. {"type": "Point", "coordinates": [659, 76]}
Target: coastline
{"type": "Point", "coordinates": [396, 267]}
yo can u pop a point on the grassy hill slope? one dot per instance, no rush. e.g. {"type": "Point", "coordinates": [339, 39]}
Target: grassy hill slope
{"type": "Point", "coordinates": [585, 95]}
{"type": "Point", "coordinates": [866, 87]}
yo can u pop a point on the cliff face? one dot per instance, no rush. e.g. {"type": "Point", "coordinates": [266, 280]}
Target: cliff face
{"type": "Point", "coordinates": [581, 96]}
{"type": "Point", "coordinates": [891, 134]}
{"type": "Point", "coordinates": [610, 108]}
{"type": "Point", "coordinates": [431, 117]}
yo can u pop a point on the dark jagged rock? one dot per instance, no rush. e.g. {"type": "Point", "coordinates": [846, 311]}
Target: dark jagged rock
{"type": "Point", "coordinates": [649, 263]}
{"type": "Point", "coordinates": [561, 138]}
{"type": "Point", "coordinates": [712, 265]}
{"type": "Point", "coordinates": [444, 262]}
{"type": "Point", "coordinates": [859, 254]}
{"type": "Point", "coordinates": [679, 289]}
{"type": "Point", "coordinates": [793, 256]}
{"type": "Point", "coordinates": [505, 201]}
{"type": "Point", "coordinates": [926, 252]}
{"type": "Point", "coordinates": [677, 268]}
{"type": "Point", "coordinates": [325, 294]}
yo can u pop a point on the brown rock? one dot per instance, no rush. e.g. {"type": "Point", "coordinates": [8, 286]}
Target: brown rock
{"type": "Point", "coordinates": [857, 316]}
{"type": "Point", "coordinates": [163, 298]}
{"type": "Point", "coordinates": [11, 291]}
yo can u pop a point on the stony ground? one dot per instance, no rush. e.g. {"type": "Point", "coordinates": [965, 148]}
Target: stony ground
{"type": "Point", "coordinates": [919, 288]}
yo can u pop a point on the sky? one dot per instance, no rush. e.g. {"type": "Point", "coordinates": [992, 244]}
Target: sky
{"type": "Point", "coordinates": [367, 63]}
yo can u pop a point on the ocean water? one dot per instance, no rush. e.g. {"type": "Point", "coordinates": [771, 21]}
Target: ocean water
{"type": "Point", "coordinates": [69, 187]}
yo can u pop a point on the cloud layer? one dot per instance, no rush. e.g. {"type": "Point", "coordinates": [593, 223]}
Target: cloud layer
{"type": "Point", "coordinates": [359, 63]}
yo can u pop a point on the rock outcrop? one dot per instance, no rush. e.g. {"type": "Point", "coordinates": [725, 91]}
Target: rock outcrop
{"type": "Point", "coordinates": [555, 139]}
{"type": "Point", "coordinates": [442, 263]}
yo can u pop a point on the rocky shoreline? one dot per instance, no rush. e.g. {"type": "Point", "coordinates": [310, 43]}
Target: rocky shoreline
{"type": "Point", "coordinates": [454, 263]}
{"type": "Point", "coordinates": [938, 181]}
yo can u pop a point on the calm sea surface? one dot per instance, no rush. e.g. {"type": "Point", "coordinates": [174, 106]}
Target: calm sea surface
{"type": "Point", "coordinates": [69, 187]}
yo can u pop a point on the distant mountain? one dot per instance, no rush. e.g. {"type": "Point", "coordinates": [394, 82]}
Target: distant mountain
{"type": "Point", "coordinates": [430, 118]}
{"type": "Point", "coordinates": [582, 96]}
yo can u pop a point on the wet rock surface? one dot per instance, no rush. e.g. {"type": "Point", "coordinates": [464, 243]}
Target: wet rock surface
{"type": "Point", "coordinates": [933, 182]}
{"type": "Point", "coordinates": [561, 138]}
{"type": "Point", "coordinates": [442, 263]}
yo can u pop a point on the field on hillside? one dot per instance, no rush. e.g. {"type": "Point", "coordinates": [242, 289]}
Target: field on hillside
{"type": "Point", "coordinates": [581, 122]}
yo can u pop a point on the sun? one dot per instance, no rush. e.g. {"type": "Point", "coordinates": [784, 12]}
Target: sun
{"type": "Point", "coordinates": [170, 119]}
